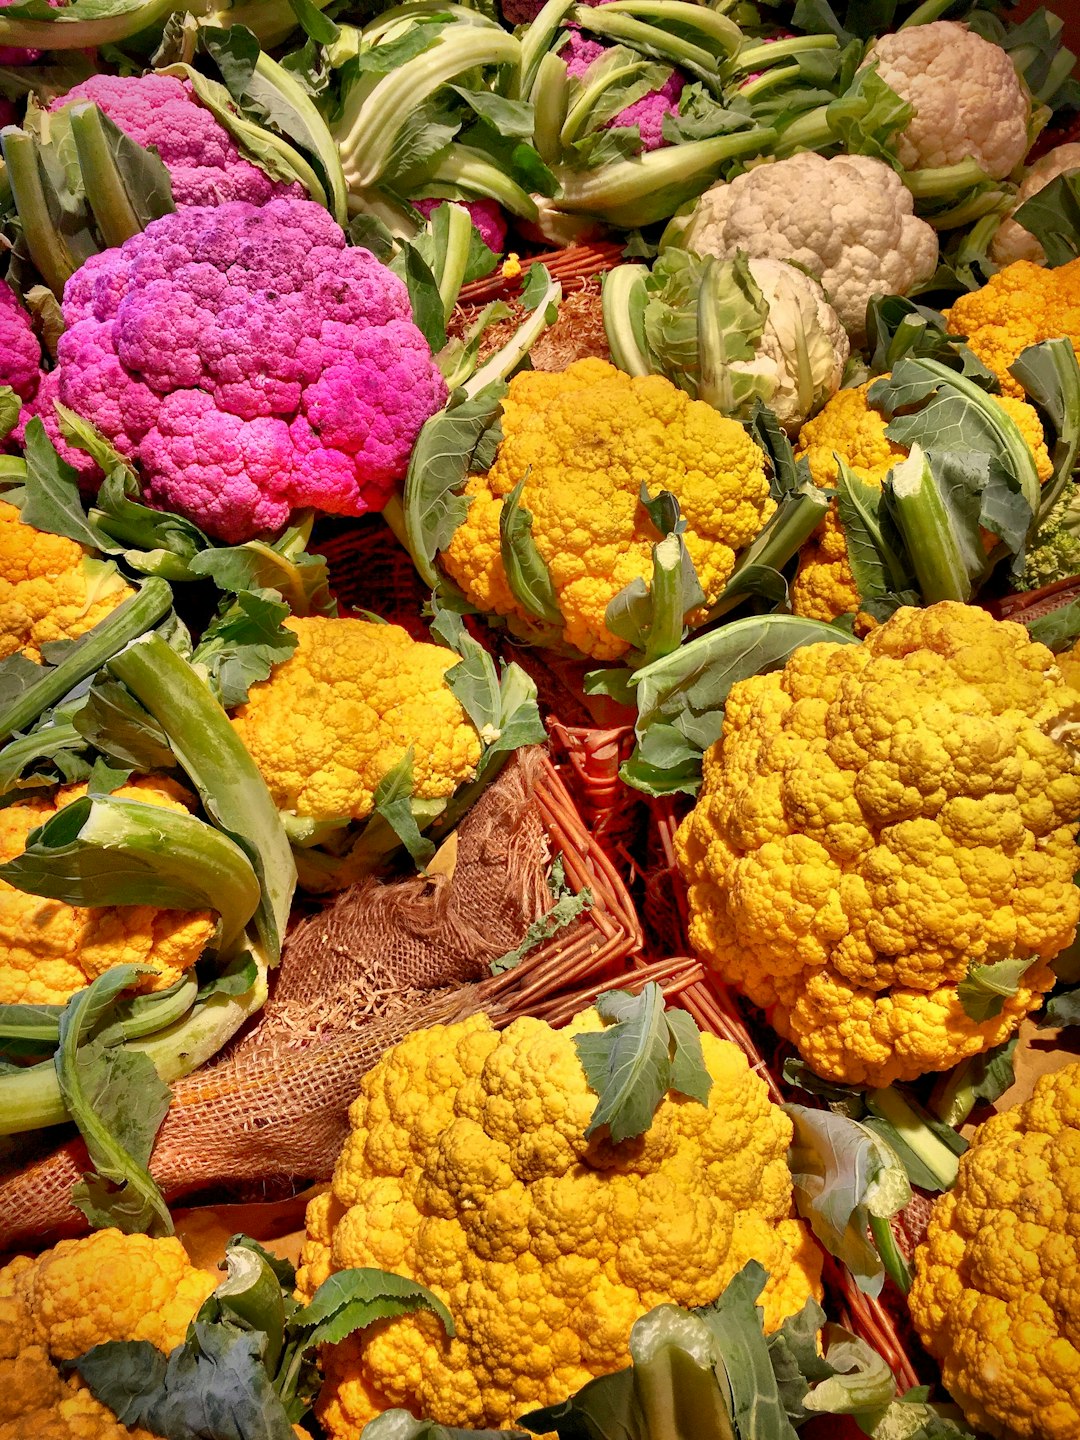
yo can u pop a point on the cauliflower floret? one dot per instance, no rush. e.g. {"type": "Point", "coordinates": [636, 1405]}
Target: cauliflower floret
{"type": "Point", "coordinates": [647, 113]}
{"type": "Point", "coordinates": [1021, 305]}
{"type": "Point", "coordinates": [1011, 241]}
{"type": "Point", "coordinates": [875, 820]}
{"type": "Point", "coordinates": [968, 100]}
{"type": "Point", "coordinates": [48, 950]}
{"type": "Point", "coordinates": [850, 221]}
{"type": "Point", "coordinates": [467, 1165]}
{"type": "Point", "coordinates": [996, 1298]}
{"type": "Point", "coordinates": [584, 441]}
{"type": "Point", "coordinates": [21, 352]}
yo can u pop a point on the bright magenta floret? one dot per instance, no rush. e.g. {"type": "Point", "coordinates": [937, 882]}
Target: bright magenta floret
{"type": "Point", "coordinates": [249, 363]}
{"type": "Point", "coordinates": [20, 353]}
{"type": "Point", "coordinates": [647, 113]}
{"type": "Point", "coordinates": [202, 158]}
{"type": "Point", "coordinates": [488, 220]}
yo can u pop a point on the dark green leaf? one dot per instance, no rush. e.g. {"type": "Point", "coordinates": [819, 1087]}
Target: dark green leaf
{"type": "Point", "coordinates": [314, 23]}
{"type": "Point", "coordinates": [843, 1099]}
{"type": "Point", "coordinates": [104, 778]}
{"type": "Point", "coordinates": [372, 234]}
{"type": "Point", "coordinates": [1058, 629]}
{"type": "Point", "coordinates": [512, 118]}
{"type": "Point", "coordinates": [118, 511]}
{"type": "Point", "coordinates": [526, 570]}
{"type": "Point", "coordinates": [875, 551]}
{"type": "Point", "coordinates": [1052, 215]}
{"type": "Point", "coordinates": [401, 1425]}
{"type": "Point", "coordinates": [56, 743]}
{"type": "Point", "coordinates": [424, 297]}
{"type": "Point", "coordinates": [350, 1300]}
{"type": "Point", "coordinates": [236, 979]}
{"type": "Point", "coordinates": [243, 643]}
{"type": "Point", "coordinates": [736, 1323]}
{"type": "Point", "coordinates": [796, 1359]}
{"type": "Point", "coordinates": [689, 1075]}
{"type": "Point", "coordinates": [1062, 1009]}
{"type": "Point", "coordinates": [114, 722]}
{"type": "Point", "coordinates": [10, 409]}
{"type": "Point", "coordinates": [393, 797]}
{"type": "Point", "coordinates": [985, 988]}
{"type": "Point", "coordinates": [51, 501]}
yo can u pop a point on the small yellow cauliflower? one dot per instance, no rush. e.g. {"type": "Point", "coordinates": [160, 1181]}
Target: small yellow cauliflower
{"type": "Point", "coordinates": [82, 1293]}
{"type": "Point", "coordinates": [344, 709]}
{"type": "Point", "coordinates": [824, 586]}
{"type": "Point", "coordinates": [467, 1169]}
{"type": "Point", "coordinates": [1021, 305]}
{"type": "Point", "coordinates": [48, 950]}
{"type": "Point", "coordinates": [996, 1297]}
{"type": "Point", "coordinates": [584, 441]}
{"type": "Point", "coordinates": [50, 587]}
{"type": "Point", "coordinates": [875, 820]}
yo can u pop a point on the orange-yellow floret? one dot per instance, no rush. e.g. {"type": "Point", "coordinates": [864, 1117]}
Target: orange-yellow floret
{"type": "Point", "coordinates": [1021, 305]}
{"type": "Point", "coordinates": [824, 586]}
{"type": "Point", "coordinates": [467, 1169]}
{"type": "Point", "coordinates": [50, 587]}
{"type": "Point", "coordinates": [584, 440]}
{"type": "Point", "coordinates": [48, 950]}
{"type": "Point", "coordinates": [82, 1293]}
{"type": "Point", "coordinates": [996, 1298]}
{"type": "Point", "coordinates": [875, 819]}
{"type": "Point", "coordinates": [344, 709]}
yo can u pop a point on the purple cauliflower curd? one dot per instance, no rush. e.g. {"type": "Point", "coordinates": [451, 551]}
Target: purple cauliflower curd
{"type": "Point", "coordinates": [647, 113]}
{"type": "Point", "coordinates": [13, 54]}
{"type": "Point", "coordinates": [249, 363]}
{"type": "Point", "coordinates": [20, 352]}
{"type": "Point", "coordinates": [204, 163]}
{"type": "Point", "coordinates": [487, 219]}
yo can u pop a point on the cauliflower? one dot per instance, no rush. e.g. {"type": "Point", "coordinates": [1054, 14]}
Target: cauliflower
{"type": "Point", "coordinates": [824, 586]}
{"type": "Point", "coordinates": [647, 113]}
{"type": "Point", "coordinates": [488, 220]}
{"type": "Point", "coordinates": [584, 441]}
{"type": "Point", "coordinates": [249, 362]}
{"type": "Point", "coordinates": [51, 588]}
{"type": "Point", "coordinates": [82, 1293]}
{"type": "Point", "coordinates": [343, 709]}
{"type": "Point", "coordinates": [1054, 553]}
{"type": "Point", "coordinates": [1019, 306]}
{"type": "Point", "coordinates": [467, 1169]}
{"type": "Point", "coordinates": [48, 950]}
{"type": "Point", "coordinates": [875, 820]}
{"type": "Point", "coordinates": [850, 221]}
{"type": "Point", "coordinates": [1011, 241]}
{"type": "Point", "coordinates": [19, 346]}
{"type": "Point", "coordinates": [204, 162]}
{"type": "Point", "coordinates": [995, 1296]}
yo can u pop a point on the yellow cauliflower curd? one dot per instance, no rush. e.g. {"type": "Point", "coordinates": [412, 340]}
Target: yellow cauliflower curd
{"type": "Point", "coordinates": [876, 818]}
{"type": "Point", "coordinates": [824, 586]}
{"type": "Point", "coordinates": [584, 441]}
{"type": "Point", "coordinates": [1021, 305]}
{"type": "Point", "coordinates": [50, 588]}
{"type": "Point", "coordinates": [342, 711]}
{"type": "Point", "coordinates": [48, 950]}
{"type": "Point", "coordinates": [996, 1298]}
{"type": "Point", "coordinates": [467, 1169]}
{"type": "Point", "coordinates": [81, 1293]}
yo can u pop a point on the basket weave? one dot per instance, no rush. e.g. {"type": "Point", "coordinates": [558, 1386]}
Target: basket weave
{"type": "Point", "coordinates": [1029, 605]}
{"type": "Point", "coordinates": [573, 266]}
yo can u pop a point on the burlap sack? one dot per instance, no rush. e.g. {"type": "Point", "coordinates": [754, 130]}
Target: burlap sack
{"type": "Point", "coordinates": [382, 960]}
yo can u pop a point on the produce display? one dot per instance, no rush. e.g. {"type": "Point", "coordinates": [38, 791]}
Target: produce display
{"type": "Point", "coordinates": [539, 719]}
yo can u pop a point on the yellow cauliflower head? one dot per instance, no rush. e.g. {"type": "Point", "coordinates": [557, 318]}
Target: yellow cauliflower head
{"type": "Point", "coordinates": [1021, 305]}
{"type": "Point", "coordinates": [996, 1297]}
{"type": "Point", "coordinates": [824, 586]}
{"type": "Point", "coordinates": [81, 1293]}
{"type": "Point", "coordinates": [585, 440]}
{"type": "Point", "coordinates": [343, 710]}
{"type": "Point", "coordinates": [875, 819]}
{"type": "Point", "coordinates": [467, 1169]}
{"type": "Point", "coordinates": [50, 587]}
{"type": "Point", "coordinates": [48, 950]}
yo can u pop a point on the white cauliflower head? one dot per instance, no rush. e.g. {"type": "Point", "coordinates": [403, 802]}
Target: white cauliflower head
{"type": "Point", "coordinates": [803, 348]}
{"type": "Point", "coordinates": [968, 100]}
{"type": "Point", "coordinates": [1011, 241]}
{"type": "Point", "coordinates": [850, 221]}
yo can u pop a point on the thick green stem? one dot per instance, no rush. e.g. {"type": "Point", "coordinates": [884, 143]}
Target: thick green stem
{"type": "Point", "coordinates": [808, 132]}
{"type": "Point", "coordinates": [54, 261]}
{"type": "Point", "coordinates": [129, 620]}
{"type": "Point", "coordinates": [769, 80]}
{"type": "Point", "coordinates": [232, 790]}
{"type": "Point", "coordinates": [792, 523]}
{"type": "Point", "coordinates": [666, 632]}
{"type": "Point", "coordinates": [927, 530]}
{"type": "Point", "coordinates": [581, 111]}
{"type": "Point", "coordinates": [890, 1105]}
{"type": "Point", "coordinates": [944, 180]}
{"type": "Point", "coordinates": [536, 44]}
{"type": "Point", "coordinates": [928, 11]}
{"type": "Point", "coordinates": [473, 172]}
{"type": "Point", "coordinates": [82, 27]}
{"type": "Point", "coordinates": [142, 1015]}
{"type": "Point", "coordinates": [896, 1267]}
{"type": "Point", "coordinates": [105, 190]}
{"type": "Point", "coordinates": [982, 204]}
{"type": "Point", "coordinates": [763, 57]}
{"type": "Point", "coordinates": [647, 20]}
{"type": "Point", "coordinates": [638, 34]}
{"type": "Point", "coordinates": [624, 300]}
{"type": "Point", "coordinates": [450, 274]}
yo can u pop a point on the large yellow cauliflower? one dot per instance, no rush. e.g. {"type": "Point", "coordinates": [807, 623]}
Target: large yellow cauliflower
{"type": "Point", "coordinates": [81, 1293]}
{"type": "Point", "coordinates": [585, 441]}
{"type": "Point", "coordinates": [467, 1169]}
{"type": "Point", "coordinates": [996, 1297]}
{"type": "Point", "coordinates": [824, 586]}
{"type": "Point", "coordinates": [342, 711]}
{"type": "Point", "coordinates": [50, 588]}
{"type": "Point", "coordinates": [875, 819]}
{"type": "Point", "coordinates": [48, 950]}
{"type": "Point", "coordinates": [1021, 305]}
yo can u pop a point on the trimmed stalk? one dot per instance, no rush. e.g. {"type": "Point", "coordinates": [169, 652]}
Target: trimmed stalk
{"type": "Point", "coordinates": [940, 182]}
{"type": "Point", "coordinates": [769, 80]}
{"type": "Point", "coordinates": [639, 35]}
{"type": "Point", "coordinates": [890, 1105]}
{"type": "Point", "coordinates": [536, 44]}
{"type": "Point", "coordinates": [550, 99]}
{"type": "Point", "coordinates": [50, 254]}
{"type": "Point", "coordinates": [789, 527]}
{"type": "Point", "coordinates": [455, 261]}
{"type": "Point", "coordinates": [624, 299]}
{"type": "Point", "coordinates": [983, 204]}
{"type": "Point", "coordinates": [896, 1267]}
{"type": "Point", "coordinates": [369, 125]}
{"type": "Point", "coordinates": [145, 1015]}
{"type": "Point", "coordinates": [927, 530]}
{"type": "Point", "coordinates": [322, 142]}
{"type": "Point", "coordinates": [128, 621]}
{"type": "Point", "coordinates": [105, 189]}
{"type": "Point", "coordinates": [953, 1097]}
{"type": "Point", "coordinates": [712, 26]}
{"type": "Point", "coordinates": [666, 632]}
{"type": "Point", "coordinates": [232, 790]}
{"type": "Point", "coordinates": [764, 57]}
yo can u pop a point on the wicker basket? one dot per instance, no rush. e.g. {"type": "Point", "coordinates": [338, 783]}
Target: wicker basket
{"type": "Point", "coordinates": [1028, 605]}
{"type": "Point", "coordinates": [573, 266]}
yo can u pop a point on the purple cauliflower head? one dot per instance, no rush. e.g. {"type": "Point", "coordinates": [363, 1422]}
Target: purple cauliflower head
{"type": "Point", "coordinates": [20, 366]}
{"type": "Point", "coordinates": [647, 113]}
{"type": "Point", "coordinates": [13, 54]}
{"type": "Point", "coordinates": [249, 363]}
{"type": "Point", "coordinates": [487, 218]}
{"type": "Point", "coordinates": [204, 163]}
